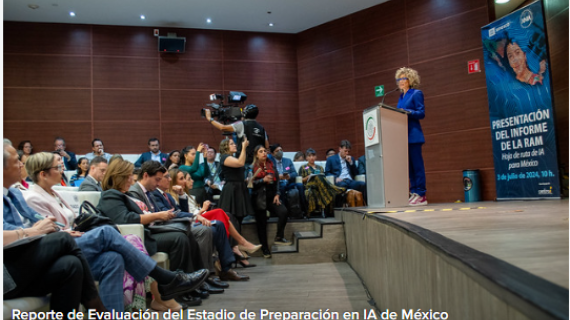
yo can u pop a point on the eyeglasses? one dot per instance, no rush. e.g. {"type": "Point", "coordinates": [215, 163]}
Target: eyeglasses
{"type": "Point", "coordinates": [59, 167]}
{"type": "Point", "coordinates": [400, 79]}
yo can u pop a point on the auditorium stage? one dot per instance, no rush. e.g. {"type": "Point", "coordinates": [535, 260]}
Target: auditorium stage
{"type": "Point", "coordinates": [480, 260]}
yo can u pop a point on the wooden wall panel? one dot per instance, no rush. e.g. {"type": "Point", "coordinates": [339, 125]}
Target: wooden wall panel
{"type": "Point", "coordinates": [111, 40]}
{"type": "Point", "coordinates": [384, 53]}
{"type": "Point", "coordinates": [183, 105]}
{"type": "Point", "coordinates": [201, 44]}
{"type": "Point", "coordinates": [259, 47]}
{"type": "Point", "coordinates": [275, 106]}
{"type": "Point", "coordinates": [27, 104]}
{"type": "Point", "coordinates": [125, 136]}
{"type": "Point", "coordinates": [558, 32]}
{"type": "Point", "coordinates": [125, 72]}
{"type": "Point", "coordinates": [447, 36]}
{"type": "Point", "coordinates": [45, 38]}
{"type": "Point", "coordinates": [562, 129]}
{"type": "Point", "coordinates": [335, 99]}
{"type": "Point", "coordinates": [378, 21]}
{"type": "Point", "coordinates": [325, 69]}
{"type": "Point", "coordinates": [364, 89]}
{"type": "Point", "coordinates": [125, 105]}
{"type": "Point", "coordinates": [554, 7]}
{"type": "Point", "coordinates": [177, 135]}
{"type": "Point", "coordinates": [420, 12]}
{"type": "Point", "coordinates": [243, 76]}
{"type": "Point", "coordinates": [190, 74]}
{"type": "Point", "coordinates": [46, 71]}
{"type": "Point", "coordinates": [77, 134]}
{"type": "Point", "coordinates": [328, 37]}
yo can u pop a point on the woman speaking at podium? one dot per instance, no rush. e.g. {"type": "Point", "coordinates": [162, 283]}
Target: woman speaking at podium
{"type": "Point", "coordinates": [412, 100]}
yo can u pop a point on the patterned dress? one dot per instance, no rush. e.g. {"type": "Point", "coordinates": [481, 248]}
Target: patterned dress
{"type": "Point", "coordinates": [319, 191]}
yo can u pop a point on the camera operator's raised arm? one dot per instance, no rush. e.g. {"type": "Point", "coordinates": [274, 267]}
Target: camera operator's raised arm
{"type": "Point", "coordinates": [218, 125]}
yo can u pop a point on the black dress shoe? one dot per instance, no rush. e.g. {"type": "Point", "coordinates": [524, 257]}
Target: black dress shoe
{"type": "Point", "coordinates": [189, 301]}
{"type": "Point", "coordinates": [215, 281]}
{"type": "Point", "coordinates": [231, 275]}
{"type": "Point", "coordinates": [183, 283]}
{"type": "Point", "coordinates": [199, 293]}
{"type": "Point", "coordinates": [211, 289]}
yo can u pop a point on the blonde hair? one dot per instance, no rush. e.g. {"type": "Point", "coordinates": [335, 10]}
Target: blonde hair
{"type": "Point", "coordinates": [225, 146]}
{"type": "Point", "coordinates": [37, 163]}
{"type": "Point", "coordinates": [411, 74]}
{"type": "Point", "coordinates": [118, 173]}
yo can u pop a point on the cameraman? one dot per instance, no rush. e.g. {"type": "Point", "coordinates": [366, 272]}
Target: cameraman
{"type": "Point", "coordinates": [249, 127]}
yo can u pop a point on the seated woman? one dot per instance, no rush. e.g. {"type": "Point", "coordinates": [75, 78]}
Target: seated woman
{"type": "Point", "coordinates": [63, 181]}
{"type": "Point", "coordinates": [27, 150]}
{"type": "Point", "coordinates": [178, 187]}
{"type": "Point", "coordinates": [182, 248]}
{"type": "Point", "coordinates": [319, 191]}
{"type": "Point", "coordinates": [197, 172]}
{"type": "Point", "coordinates": [265, 197]}
{"type": "Point", "coordinates": [173, 160]}
{"type": "Point", "coordinates": [299, 156]}
{"type": "Point", "coordinates": [52, 264]}
{"type": "Point", "coordinates": [45, 169]}
{"type": "Point", "coordinates": [82, 168]}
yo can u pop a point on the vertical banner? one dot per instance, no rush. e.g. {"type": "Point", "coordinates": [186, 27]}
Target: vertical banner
{"type": "Point", "coordinates": [517, 69]}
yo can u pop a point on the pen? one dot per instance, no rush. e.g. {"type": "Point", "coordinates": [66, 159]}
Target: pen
{"type": "Point", "coordinates": [40, 217]}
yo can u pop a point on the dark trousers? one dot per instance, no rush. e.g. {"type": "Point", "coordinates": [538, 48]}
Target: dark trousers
{"type": "Point", "coordinates": [416, 169]}
{"type": "Point", "coordinates": [222, 244]}
{"type": "Point", "coordinates": [278, 211]}
{"type": "Point", "coordinates": [284, 187]}
{"type": "Point", "coordinates": [54, 264]}
{"type": "Point", "coordinates": [183, 250]}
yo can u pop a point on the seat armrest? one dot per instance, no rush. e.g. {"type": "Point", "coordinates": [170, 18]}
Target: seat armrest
{"type": "Point", "coordinates": [136, 229]}
{"type": "Point", "coordinates": [360, 177]}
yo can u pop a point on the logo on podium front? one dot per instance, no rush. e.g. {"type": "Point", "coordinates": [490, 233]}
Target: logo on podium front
{"type": "Point", "coordinates": [370, 127]}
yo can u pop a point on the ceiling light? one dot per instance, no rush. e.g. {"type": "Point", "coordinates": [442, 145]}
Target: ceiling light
{"type": "Point", "coordinates": [271, 24]}
{"type": "Point", "coordinates": [33, 6]}
{"type": "Point", "coordinates": [143, 17]}
{"type": "Point", "coordinates": [72, 14]}
{"type": "Point", "coordinates": [501, 1]}
{"type": "Point", "coordinates": [209, 20]}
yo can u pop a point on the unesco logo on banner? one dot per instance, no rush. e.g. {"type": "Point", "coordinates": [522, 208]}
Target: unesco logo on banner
{"type": "Point", "coordinates": [526, 18]}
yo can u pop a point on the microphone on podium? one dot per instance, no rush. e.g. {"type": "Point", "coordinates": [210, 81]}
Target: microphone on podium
{"type": "Point", "coordinates": [387, 93]}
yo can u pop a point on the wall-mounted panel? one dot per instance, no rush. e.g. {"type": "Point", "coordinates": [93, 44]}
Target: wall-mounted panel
{"type": "Point", "coordinates": [275, 106]}
{"type": "Point", "coordinates": [266, 47]}
{"type": "Point", "coordinates": [177, 135]}
{"type": "Point", "coordinates": [558, 32]}
{"type": "Point", "coordinates": [124, 41]}
{"type": "Point", "coordinates": [419, 12]}
{"type": "Point", "coordinates": [447, 186]}
{"type": "Point", "coordinates": [23, 104]}
{"type": "Point", "coordinates": [328, 37]}
{"type": "Point", "coordinates": [42, 38]}
{"type": "Point", "coordinates": [554, 7]}
{"type": "Point", "coordinates": [365, 92]}
{"type": "Point", "coordinates": [325, 69]}
{"type": "Point", "coordinates": [447, 36]}
{"type": "Point", "coordinates": [335, 99]}
{"type": "Point", "coordinates": [125, 105]}
{"type": "Point", "coordinates": [46, 71]}
{"type": "Point", "coordinates": [378, 21]}
{"type": "Point", "coordinates": [384, 53]}
{"type": "Point", "coordinates": [125, 72]}
{"type": "Point", "coordinates": [77, 134]}
{"type": "Point", "coordinates": [243, 76]}
{"type": "Point", "coordinates": [133, 137]}
{"type": "Point", "coordinates": [184, 105]}
{"type": "Point", "coordinates": [190, 74]}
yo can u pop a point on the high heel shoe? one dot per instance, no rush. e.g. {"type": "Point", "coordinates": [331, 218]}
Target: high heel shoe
{"type": "Point", "coordinates": [240, 260]}
{"type": "Point", "coordinates": [250, 251]}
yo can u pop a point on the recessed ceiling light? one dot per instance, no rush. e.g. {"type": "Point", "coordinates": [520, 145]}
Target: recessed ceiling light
{"type": "Point", "coordinates": [143, 17]}
{"type": "Point", "coordinates": [271, 24]}
{"type": "Point", "coordinates": [72, 14]}
{"type": "Point", "coordinates": [209, 20]}
{"type": "Point", "coordinates": [501, 1]}
{"type": "Point", "coordinates": [33, 6]}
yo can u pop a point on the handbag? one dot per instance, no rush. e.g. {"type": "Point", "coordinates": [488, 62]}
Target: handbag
{"type": "Point", "coordinates": [90, 218]}
{"type": "Point", "coordinates": [176, 224]}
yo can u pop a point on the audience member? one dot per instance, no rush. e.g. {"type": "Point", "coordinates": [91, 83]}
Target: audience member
{"type": "Point", "coordinates": [97, 169]}
{"type": "Point", "coordinates": [299, 156]}
{"type": "Point", "coordinates": [265, 197]}
{"type": "Point", "coordinates": [114, 157]}
{"type": "Point", "coordinates": [343, 168]}
{"type": "Point", "coordinates": [27, 149]}
{"type": "Point", "coordinates": [106, 251]}
{"type": "Point", "coordinates": [182, 248]}
{"type": "Point", "coordinates": [320, 192]}
{"type": "Point", "coordinates": [154, 153]}
{"type": "Point", "coordinates": [330, 153]}
{"type": "Point", "coordinates": [81, 174]}
{"type": "Point", "coordinates": [213, 182]}
{"type": "Point", "coordinates": [197, 171]}
{"type": "Point", "coordinates": [178, 184]}
{"type": "Point", "coordinates": [362, 165]}
{"type": "Point", "coordinates": [192, 210]}
{"type": "Point", "coordinates": [63, 182]}
{"type": "Point", "coordinates": [98, 150]}
{"type": "Point", "coordinates": [287, 176]}
{"type": "Point", "coordinates": [68, 157]}
{"type": "Point", "coordinates": [173, 160]}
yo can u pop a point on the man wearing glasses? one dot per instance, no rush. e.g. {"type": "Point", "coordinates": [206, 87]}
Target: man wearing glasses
{"type": "Point", "coordinates": [69, 160]}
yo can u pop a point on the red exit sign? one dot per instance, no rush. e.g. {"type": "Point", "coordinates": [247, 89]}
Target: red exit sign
{"type": "Point", "coordinates": [473, 66]}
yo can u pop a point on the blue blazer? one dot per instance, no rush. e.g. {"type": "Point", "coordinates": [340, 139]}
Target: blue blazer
{"type": "Point", "coordinates": [362, 165]}
{"type": "Point", "coordinates": [148, 156]}
{"type": "Point", "coordinates": [333, 167]}
{"type": "Point", "coordinates": [15, 202]}
{"type": "Point", "coordinates": [413, 102]}
{"type": "Point", "coordinates": [287, 163]}
{"type": "Point", "coordinates": [72, 163]}
{"type": "Point", "coordinates": [163, 205]}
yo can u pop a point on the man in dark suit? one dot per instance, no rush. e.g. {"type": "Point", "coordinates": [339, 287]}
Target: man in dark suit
{"type": "Point", "coordinates": [343, 167]}
{"type": "Point", "coordinates": [68, 157]}
{"type": "Point", "coordinates": [362, 165]}
{"type": "Point", "coordinates": [287, 176]}
{"type": "Point", "coordinates": [97, 169]}
{"type": "Point", "coordinates": [154, 153]}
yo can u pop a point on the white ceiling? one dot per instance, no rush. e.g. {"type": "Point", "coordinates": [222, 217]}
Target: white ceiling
{"type": "Point", "coordinates": [288, 16]}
